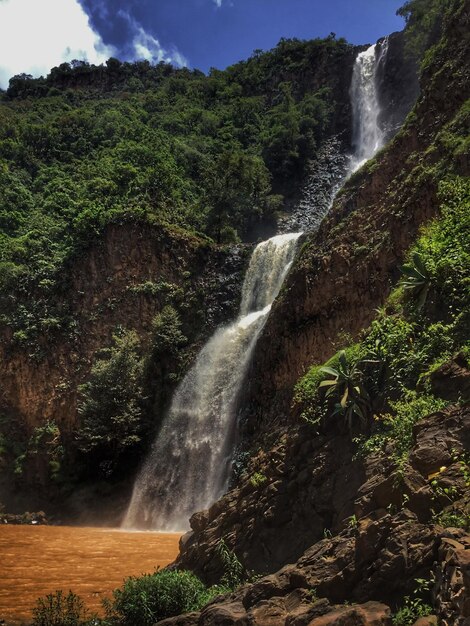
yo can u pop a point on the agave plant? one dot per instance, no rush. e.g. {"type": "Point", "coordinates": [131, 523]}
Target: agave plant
{"type": "Point", "coordinates": [345, 385]}
{"type": "Point", "coordinates": [416, 279]}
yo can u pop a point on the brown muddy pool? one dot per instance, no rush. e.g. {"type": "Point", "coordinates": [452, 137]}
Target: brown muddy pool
{"type": "Point", "coordinates": [37, 560]}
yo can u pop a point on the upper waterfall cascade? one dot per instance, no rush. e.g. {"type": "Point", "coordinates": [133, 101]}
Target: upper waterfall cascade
{"type": "Point", "coordinates": [368, 136]}
{"type": "Point", "coordinates": [189, 464]}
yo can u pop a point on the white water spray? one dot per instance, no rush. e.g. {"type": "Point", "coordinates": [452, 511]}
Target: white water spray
{"type": "Point", "coordinates": [188, 467]}
{"type": "Point", "coordinates": [368, 136]}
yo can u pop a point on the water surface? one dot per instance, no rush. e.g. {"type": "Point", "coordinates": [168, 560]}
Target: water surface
{"type": "Point", "coordinates": [37, 560]}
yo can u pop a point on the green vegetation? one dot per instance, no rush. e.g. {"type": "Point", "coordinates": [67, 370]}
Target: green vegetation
{"type": "Point", "coordinates": [150, 598]}
{"type": "Point", "coordinates": [257, 479]}
{"type": "Point", "coordinates": [423, 23]}
{"type": "Point", "coordinates": [58, 609]}
{"type": "Point", "coordinates": [145, 599]}
{"type": "Point", "coordinates": [89, 146]}
{"type": "Point", "coordinates": [308, 394]}
{"type": "Point", "coordinates": [453, 518]}
{"type": "Point", "coordinates": [234, 572]}
{"type": "Point", "coordinates": [414, 606]}
{"type": "Point", "coordinates": [411, 337]}
{"type": "Point", "coordinates": [110, 403]}
{"type": "Point", "coordinates": [413, 609]}
{"type": "Point", "coordinates": [350, 396]}
{"type": "Point", "coordinates": [167, 335]}
{"type": "Point", "coordinates": [416, 279]}
{"type": "Point", "coordinates": [45, 444]}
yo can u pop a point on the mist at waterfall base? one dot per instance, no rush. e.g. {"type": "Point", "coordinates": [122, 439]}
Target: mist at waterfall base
{"type": "Point", "coordinates": [189, 465]}
{"type": "Point", "coordinates": [368, 136]}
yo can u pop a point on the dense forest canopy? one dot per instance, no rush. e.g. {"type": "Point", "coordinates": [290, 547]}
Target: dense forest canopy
{"type": "Point", "coordinates": [207, 153]}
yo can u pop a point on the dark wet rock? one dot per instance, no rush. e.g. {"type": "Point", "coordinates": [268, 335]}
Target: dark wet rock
{"type": "Point", "coordinates": [452, 575]}
{"type": "Point", "coordinates": [38, 518]}
{"type": "Point", "coordinates": [452, 380]}
{"type": "Point", "coordinates": [306, 494]}
{"type": "Point", "coordinates": [398, 85]}
{"type": "Point", "coordinates": [324, 176]}
{"type": "Point", "coordinates": [302, 492]}
{"type": "Point", "coordinates": [222, 283]}
{"type": "Point", "coordinates": [440, 438]}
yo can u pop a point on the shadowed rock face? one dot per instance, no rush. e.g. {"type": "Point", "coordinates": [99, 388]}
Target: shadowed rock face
{"type": "Point", "coordinates": [398, 85]}
{"type": "Point", "coordinates": [307, 490]}
{"type": "Point", "coordinates": [104, 292]}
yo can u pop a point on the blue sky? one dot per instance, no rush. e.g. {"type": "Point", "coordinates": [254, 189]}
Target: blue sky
{"type": "Point", "coordinates": [207, 35]}
{"type": "Point", "coordinates": [36, 35]}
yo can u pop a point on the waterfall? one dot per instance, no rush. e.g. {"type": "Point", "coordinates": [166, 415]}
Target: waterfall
{"type": "Point", "coordinates": [368, 136]}
{"type": "Point", "coordinates": [188, 467]}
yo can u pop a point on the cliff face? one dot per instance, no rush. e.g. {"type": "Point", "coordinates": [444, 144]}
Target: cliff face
{"type": "Point", "coordinates": [398, 85]}
{"type": "Point", "coordinates": [345, 270]}
{"type": "Point", "coordinates": [342, 274]}
{"type": "Point", "coordinates": [121, 281]}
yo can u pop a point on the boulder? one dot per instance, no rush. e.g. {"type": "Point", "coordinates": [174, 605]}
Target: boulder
{"type": "Point", "coordinates": [369, 614]}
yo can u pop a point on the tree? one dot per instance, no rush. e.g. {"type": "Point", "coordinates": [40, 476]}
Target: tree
{"type": "Point", "coordinates": [423, 23]}
{"type": "Point", "coordinates": [110, 402]}
{"type": "Point", "coordinates": [239, 189]}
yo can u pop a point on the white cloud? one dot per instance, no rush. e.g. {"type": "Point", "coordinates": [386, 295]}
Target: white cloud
{"type": "Point", "coordinates": [219, 3]}
{"type": "Point", "coordinates": [36, 35]}
{"type": "Point", "coordinates": [145, 46]}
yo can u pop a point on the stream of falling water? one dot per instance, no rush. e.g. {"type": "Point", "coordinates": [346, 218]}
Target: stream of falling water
{"type": "Point", "coordinates": [189, 464]}
{"type": "Point", "coordinates": [368, 136]}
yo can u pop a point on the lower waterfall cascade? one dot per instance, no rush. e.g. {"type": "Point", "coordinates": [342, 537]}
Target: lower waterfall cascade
{"type": "Point", "coordinates": [188, 467]}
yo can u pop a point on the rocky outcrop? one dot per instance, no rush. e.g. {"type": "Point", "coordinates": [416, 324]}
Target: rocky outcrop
{"type": "Point", "coordinates": [296, 609]}
{"type": "Point", "coordinates": [288, 497]}
{"type": "Point", "coordinates": [451, 381]}
{"type": "Point", "coordinates": [296, 493]}
{"type": "Point", "coordinates": [384, 539]}
{"type": "Point", "coordinates": [24, 519]}
{"type": "Point", "coordinates": [376, 560]}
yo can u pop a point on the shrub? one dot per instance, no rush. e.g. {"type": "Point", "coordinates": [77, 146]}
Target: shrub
{"type": "Point", "coordinates": [443, 248]}
{"type": "Point", "coordinates": [346, 388]}
{"type": "Point", "coordinates": [413, 609]}
{"type": "Point", "coordinates": [307, 395]}
{"type": "Point", "coordinates": [58, 609]}
{"type": "Point", "coordinates": [167, 335]}
{"type": "Point", "coordinates": [150, 598]}
{"type": "Point", "coordinates": [416, 279]}
{"type": "Point", "coordinates": [234, 572]}
{"type": "Point", "coordinates": [258, 479]}
{"type": "Point", "coordinates": [396, 427]}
